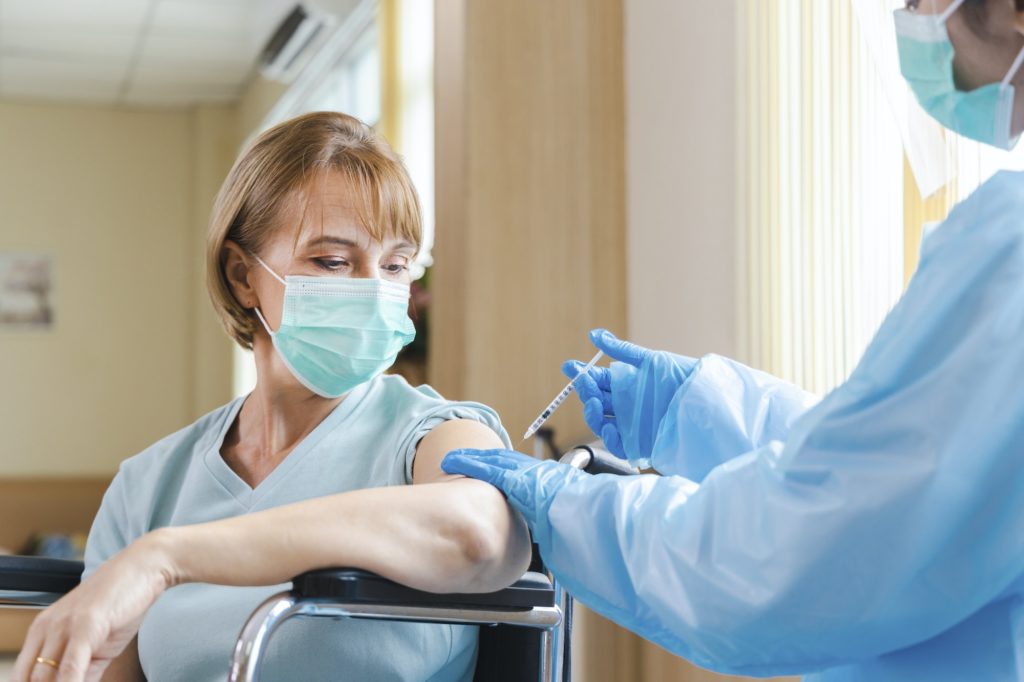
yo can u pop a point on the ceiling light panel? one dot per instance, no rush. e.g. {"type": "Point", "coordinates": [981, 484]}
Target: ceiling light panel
{"type": "Point", "coordinates": [37, 78]}
{"type": "Point", "coordinates": [218, 19]}
{"type": "Point", "coordinates": [195, 49]}
{"type": "Point", "coordinates": [63, 43]}
{"type": "Point", "coordinates": [103, 15]}
{"type": "Point", "coordinates": [28, 69]}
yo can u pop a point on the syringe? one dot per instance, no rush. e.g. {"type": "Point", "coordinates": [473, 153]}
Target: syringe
{"type": "Point", "coordinates": [560, 398]}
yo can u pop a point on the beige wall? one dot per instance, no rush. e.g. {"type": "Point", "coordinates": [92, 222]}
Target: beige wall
{"type": "Point", "coordinates": [684, 198]}
{"type": "Point", "coordinates": [254, 105]}
{"type": "Point", "coordinates": [215, 139]}
{"type": "Point", "coordinates": [530, 199]}
{"type": "Point", "coordinates": [120, 199]}
{"type": "Point", "coordinates": [683, 171]}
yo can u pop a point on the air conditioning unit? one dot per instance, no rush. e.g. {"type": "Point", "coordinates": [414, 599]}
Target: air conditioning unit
{"type": "Point", "coordinates": [293, 43]}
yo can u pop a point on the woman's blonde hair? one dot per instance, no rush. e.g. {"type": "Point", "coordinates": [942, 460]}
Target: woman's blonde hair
{"type": "Point", "coordinates": [276, 168]}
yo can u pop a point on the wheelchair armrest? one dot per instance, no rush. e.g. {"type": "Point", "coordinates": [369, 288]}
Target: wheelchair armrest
{"type": "Point", "coordinates": [36, 581]}
{"type": "Point", "coordinates": [39, 574]}
{"type": "Point", "coordinates": [355, 586]}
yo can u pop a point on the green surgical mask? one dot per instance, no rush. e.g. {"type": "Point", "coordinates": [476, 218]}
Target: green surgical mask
{"type": "Point", "coordinates": [984, 114]}
{"type": "Point", "coordinates": [338, 332]}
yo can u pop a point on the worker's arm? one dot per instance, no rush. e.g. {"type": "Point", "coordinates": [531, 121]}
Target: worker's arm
{"type": "Point", "coordinates": [890, 513]}
{"type": "Point", "coordinates": [679, 415]}
{"type": "Point", "coordinates": [724, 409]}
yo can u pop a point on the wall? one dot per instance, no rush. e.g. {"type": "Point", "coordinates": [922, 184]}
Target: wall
{"type": "Point", "coordinates": [107, 194]}
{"type": "Point", "coordinates": [119, 198]}
{"type": "Point", "coordinates": [258, 98]}
{"type": "Point", "coordinates": [529, 249]}
{"type": "Point", "coordinates": [682, 133]}
{"type": "Point", "coordinates": [684, 168]}
{"type": "Point", "coordinates": [215, 141]}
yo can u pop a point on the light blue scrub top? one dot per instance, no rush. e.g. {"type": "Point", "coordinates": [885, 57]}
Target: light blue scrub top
{"type": "Point", "coordinates": [368, 441]}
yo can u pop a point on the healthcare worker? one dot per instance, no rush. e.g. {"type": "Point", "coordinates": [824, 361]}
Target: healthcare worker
{"type": "Point", "coordinates": [876, 535]}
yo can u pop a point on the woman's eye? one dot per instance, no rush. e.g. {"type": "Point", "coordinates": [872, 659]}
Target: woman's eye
{"type": "Point", "coordinates": [331, 263]}
{"type": "Point", "coordinates": [395, 268]}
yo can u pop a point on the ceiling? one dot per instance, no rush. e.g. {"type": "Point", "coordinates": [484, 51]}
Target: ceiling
{"type": "Point", "coordinates": [171, 53]}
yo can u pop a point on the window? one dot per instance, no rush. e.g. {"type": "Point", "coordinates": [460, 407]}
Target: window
{"type": "Point", "coordinates": [823, 245]}
{"type": "Point", "coordinates": [344, 75]}
{"type": "Point", "coordinates": [835, 206]}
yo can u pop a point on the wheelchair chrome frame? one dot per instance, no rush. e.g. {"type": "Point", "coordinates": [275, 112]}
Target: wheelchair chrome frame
{"type": "Point", "coordinates": [11, 599]}
{"type": "Point", "coordinates": [252, 642]}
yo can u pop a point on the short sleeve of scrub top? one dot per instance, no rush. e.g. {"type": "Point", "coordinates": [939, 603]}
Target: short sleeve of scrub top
{"type": "Point", "coordinates": [368, 441]}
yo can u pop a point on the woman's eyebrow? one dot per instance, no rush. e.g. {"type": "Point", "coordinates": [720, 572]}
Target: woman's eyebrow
{"type": "Point", "coordinates": [327, 239]}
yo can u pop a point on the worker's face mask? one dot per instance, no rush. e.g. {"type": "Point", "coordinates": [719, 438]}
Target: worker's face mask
{"type": "Point", "coordinates": [926, 54]}
{"type": "Point", "coordinates": [337, 333]}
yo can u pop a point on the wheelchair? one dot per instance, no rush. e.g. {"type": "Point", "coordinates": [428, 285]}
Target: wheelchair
{"type": "Point", "coordinates": [525, 629]}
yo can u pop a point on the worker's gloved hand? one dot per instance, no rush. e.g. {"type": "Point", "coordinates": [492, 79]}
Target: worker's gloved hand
{"type": "Point", "coordinates": [624, 404]}
{"type": "Point", "coordinates": [529, 484]}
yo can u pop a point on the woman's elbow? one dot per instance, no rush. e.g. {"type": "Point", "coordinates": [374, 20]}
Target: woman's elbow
{"type": "Point", "coordinates": [493, 543]}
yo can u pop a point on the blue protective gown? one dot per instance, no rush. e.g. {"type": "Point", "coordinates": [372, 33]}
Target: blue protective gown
{"type": "Point", "coordinates": [877, 535]}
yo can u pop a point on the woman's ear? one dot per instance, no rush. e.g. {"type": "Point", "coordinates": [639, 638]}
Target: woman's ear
{"type": "Point", "coordinates": [237, 267]}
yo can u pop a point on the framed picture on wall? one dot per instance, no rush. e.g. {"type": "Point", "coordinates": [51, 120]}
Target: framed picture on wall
{"type": "Point", "coordinates": [26, 291]}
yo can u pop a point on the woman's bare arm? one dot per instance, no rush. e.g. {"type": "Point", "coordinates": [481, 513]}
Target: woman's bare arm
{"type": "Point", "coordinates": [444, 534]}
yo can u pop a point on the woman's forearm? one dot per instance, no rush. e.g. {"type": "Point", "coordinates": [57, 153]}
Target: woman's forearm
{"type": "Point", "coordinates": [457, 536]}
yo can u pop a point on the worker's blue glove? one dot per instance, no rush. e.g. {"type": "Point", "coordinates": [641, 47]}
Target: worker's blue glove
{"type": "Point", "coordinates": [529, 484]}
{"type": "Point", "coordinates": [624, 404]}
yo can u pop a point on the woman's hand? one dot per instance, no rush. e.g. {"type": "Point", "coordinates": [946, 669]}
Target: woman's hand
{"type": "Point", "coordinates": [89, 627]}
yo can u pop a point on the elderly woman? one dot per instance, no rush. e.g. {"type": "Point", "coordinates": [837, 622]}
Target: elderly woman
{"type": "Point", "coordinates": [328, 462]}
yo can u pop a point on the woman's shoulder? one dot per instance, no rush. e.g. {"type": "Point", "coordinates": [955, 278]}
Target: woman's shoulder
{"type": "Point", "coordinates": [410, 404]}
{"type": "Point", "coordinates": [423, 407]}
{"type": "Point", "coordinates": [411, 412]}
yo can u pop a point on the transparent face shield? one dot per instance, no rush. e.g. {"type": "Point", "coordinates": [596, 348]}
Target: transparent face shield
{"type": "Point", "coordinates": [924, 139]}
{"type": "Point", "coordinates": [935, 155]}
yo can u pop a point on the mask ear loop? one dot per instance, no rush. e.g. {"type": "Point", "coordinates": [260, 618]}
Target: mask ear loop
{"type": "Point", "coordinates": [267, 268]}
{"type": "Point", "coordinates": [944, 17]}
{"type": "Point", "coordinates": [1004, 116]}
{"type": "Point", "coordinates": [1013, 69]}
{"type": "Point", "coordinates": [256, 309]}
{"type": "Point", "coordinates": [263, 321]}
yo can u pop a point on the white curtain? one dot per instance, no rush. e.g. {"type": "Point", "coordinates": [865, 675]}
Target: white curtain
{"type": "Point", "coordinates": [823, 244]}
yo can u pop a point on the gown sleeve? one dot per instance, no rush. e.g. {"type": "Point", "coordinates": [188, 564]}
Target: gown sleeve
{"type": "Point", "coordinates": [888, 513]}
{"type": "Point", "coordinates": [723, 410]}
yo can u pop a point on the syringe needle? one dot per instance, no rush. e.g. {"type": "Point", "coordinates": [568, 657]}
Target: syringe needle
{"type": "Point", "coordinates": [560, 398]}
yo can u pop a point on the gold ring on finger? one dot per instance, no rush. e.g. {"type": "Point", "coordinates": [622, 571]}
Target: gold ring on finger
{"type": "Point", "coordinates": [48, 661]}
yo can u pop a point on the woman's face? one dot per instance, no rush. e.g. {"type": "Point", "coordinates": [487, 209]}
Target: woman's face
{"type": "Point", "coordinates": [322, 236]}
{"type": "Point", "coordinates": [985, 40]}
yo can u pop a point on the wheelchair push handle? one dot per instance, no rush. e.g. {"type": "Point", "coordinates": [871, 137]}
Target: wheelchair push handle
{"type": "Point", "coordinates": [597, 461]}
